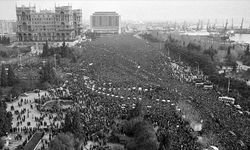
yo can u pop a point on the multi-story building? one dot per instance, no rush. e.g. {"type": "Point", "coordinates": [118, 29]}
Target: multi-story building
{"type": "Point", "coordinates": [7, 27]}
{"type": "Point", "coordinates": [105, 22]}
{"type": "Point", "coordinates": [64, 23]}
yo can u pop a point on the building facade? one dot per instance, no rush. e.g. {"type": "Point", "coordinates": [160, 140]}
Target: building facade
{"type": "Point", "coordinates": [105, 22]}
{"type": "Point", "coordinates": [62, 24]}
{"type": "Point", "coordinates": [7, 27]}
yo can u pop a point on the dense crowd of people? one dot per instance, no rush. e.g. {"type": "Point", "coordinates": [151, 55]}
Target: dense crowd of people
{"type": "Point", "coordinates": [187, 117]}
{"type": "Point", "coordinates": [105, 101]}
{"type": "Point", "coordinates": [103, 105]}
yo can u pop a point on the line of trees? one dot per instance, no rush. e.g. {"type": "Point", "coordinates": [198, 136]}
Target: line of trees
{"type": "Point", "coordinates": [48, 74]}
{"type": "Point", "coordinates": [5, 119]}
{"type": "Point", "coordinates": [140, 130]}
{"type": "Point", "coordinates": [64, 51]}
{"type": "Point", "coordinates": [246, 57]}
{"type": "Point", "coordinates": [4, 40]}
{"type": "Point", "coordinates": [208, 67]}
{"type": "Point", "coordinates": [61, 52]}
{"type": "Point", "coordinates": [191, 57]}
{"type": "Point", "coordinates": [8, 78]}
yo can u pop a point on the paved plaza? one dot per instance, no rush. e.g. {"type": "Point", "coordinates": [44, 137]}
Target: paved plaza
{"type": "Point", "coordinates": [30, 115]}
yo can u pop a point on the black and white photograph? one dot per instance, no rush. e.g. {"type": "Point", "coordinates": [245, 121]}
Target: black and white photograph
{"type": "Point", "coordinates": [124, 75]}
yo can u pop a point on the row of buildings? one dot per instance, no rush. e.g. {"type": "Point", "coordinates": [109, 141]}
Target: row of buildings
{"type": "Point", "coordinates": [64, 23]}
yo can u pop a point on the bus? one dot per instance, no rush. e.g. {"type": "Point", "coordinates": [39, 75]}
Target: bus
{"type": "Point", "coordinates": [208, 86]}
{"type": "Point", "coordinates": [227, 99]}
{"type": "Point", "coordinates": [199, 84]}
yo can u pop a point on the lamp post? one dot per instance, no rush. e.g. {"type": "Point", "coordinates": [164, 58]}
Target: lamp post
{"type": "Point", "coordinates": [228, 85]}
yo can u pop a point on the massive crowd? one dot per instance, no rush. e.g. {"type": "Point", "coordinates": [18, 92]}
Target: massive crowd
{"type": "Point", "coordinates": [104, 104]}
{"type": "Point", "coordinates": [172, 87]}
{"type": "Point", "coordinates": [187, 117]}
{"type": "Point", "coordinates": [107, 100]}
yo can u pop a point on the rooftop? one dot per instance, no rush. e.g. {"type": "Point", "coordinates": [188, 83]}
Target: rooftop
{"type": "Point", "coordinates": [105, 13]}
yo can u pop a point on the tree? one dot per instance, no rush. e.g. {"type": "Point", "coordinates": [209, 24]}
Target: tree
{"type": "Point", "coordinates": [210, 52]}
{"type": "Point", "coordinates": [67, 123]}
{"type": "Point", "coordinates": [143, 134]}
{"type": "Point", "coordinates": [247, 52]}
{"type": "Point", "coordinates": [64, 49]}
{"type": "Point", "coordinates": [45, 49]}
{"type": "Point", "coordinates": [77, 125]}
{"type": "Point", "coordinates": [5, 119]}
{"type": "Point", "coordinates": [4, 81]}
{"type": "Point", "coordinates": [48, 73]}
{"type": "Point", "coordinates": [11, 76]}
{"type": "Point", "coordinates": [193, 46]}
{"type": "Point", "coordinates": [73, 124]}
{"type": "Point", "coordinates": [62, 142]}
{"type": "Point", "coordinates": [229, 61]}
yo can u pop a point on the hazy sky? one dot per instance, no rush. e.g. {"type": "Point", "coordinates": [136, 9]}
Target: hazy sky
{"type": "Point", "coordinates": [145, 10]}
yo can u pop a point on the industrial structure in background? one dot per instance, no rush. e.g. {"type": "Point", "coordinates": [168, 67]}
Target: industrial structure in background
{"type": "Point", "coordinates": [105, 23]}
{"type": "Point", "coordinates": [7, 27]}
{"type": "Point", "coordinates": [62, 24]}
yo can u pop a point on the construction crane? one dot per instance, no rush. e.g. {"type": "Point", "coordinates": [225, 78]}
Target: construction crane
{"type": "Point", "coordinates": [232, 27]}
{"type": "Point", "coordinates": [198, 25]}
{"type": "Point", "coordinates": [226, 24]}
{"type": "Point", "coordinates": [241, 26]}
